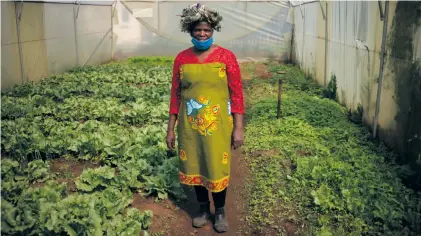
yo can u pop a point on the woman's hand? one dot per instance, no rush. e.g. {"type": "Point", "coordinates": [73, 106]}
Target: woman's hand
{"type": "Point", "coordinates": [171, 140]}
{"type": "Point", "coordinates": [170, 132]}
{"type": "Point", "coordinates": [238, 132]}
{"type": "Point", "coordinates": [237, 138]}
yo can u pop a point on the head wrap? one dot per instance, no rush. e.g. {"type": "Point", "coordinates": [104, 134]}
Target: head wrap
{"type": "Point", "coordinates": [199, 13]}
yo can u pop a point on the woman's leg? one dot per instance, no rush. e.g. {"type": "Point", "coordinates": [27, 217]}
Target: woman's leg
{"type": "Point", "coordinates": [201, 194]}
{"type": "Point", "coordinates": [219, 199]}
{"type": "Point", "coordinates": [221, 222]}
{"type": "Point", "coordinates": [204, 206]}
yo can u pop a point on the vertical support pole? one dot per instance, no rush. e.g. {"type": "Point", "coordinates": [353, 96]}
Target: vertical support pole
{"type": "Point", "coordinates": [292, 45]}
{"type": "Point", "coordinates": [280, 93]}
{"type": "Point", "coordinates": [381, 10]}
{"type": "Point", "coordinates": [112, 32]}
{"type": "Point", "coordinates": [113, 6]}
{"type": "Point", "coordinates": [326, 43]}
{"type": "Point", "coordinates": [303, 41]}
{"type": "Point", "coordinates": [246, 18]}
{"type": "Point", "coordinates": [157, 16]}
{"type": "Point", "coordinates": [18, 15]}
{"type": "Point", "coordinates": [379, 85]}
{"type": "Point", "coordinates": [301, 10]}
{"type": "Point", "coordinates": [323, 12]}
{"type": "Point", "coordinates": [75, 16]}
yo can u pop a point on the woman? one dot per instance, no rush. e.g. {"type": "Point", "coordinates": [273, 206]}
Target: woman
{"type": "Point", "coordinates": [207, 105]}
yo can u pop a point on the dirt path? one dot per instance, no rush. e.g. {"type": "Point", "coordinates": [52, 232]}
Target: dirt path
{"type": "Point", "coordinates": [172, 220]}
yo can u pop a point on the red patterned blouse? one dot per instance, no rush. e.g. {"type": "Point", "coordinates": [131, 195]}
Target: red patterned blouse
{"type": "Point", "coordinates": [221, 55]}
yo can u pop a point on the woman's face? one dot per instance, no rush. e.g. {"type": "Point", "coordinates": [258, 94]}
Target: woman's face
{"type": "Point", "coordinates": [202, 31]}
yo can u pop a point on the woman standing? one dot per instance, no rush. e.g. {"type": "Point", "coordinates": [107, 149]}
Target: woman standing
{"type": "Point", "coordinates": [207, 105]}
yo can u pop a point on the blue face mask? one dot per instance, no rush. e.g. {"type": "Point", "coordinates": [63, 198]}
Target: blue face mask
{"type": "Point", "coordinates": [202, 45]}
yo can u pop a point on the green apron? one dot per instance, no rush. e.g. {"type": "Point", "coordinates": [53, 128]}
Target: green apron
{"type": "Point", "coordinates": [204, 126]}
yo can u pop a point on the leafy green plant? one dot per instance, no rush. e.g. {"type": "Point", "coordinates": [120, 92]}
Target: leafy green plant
{"type": "Point", "coordinates": [131, 224]}
{"type": "Point", "coordinates": [114, 113]}
{"type": "Point", "coordinates": [331, 90]}
{"type": "Point", "coordinates": [97, 178]}
{"type": "Point", "coordinates": [165, 181]}
{"type": "Point", "coordinates": [49, 210]}
{"type": "Point", "coordinates": [357, 115]}
{"type": "Point", "coordinates": [38, 171]}
{"type": "Point", "coordinates": [332, 177]}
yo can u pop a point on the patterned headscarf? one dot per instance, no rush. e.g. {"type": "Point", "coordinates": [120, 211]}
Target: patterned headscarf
{"type": "Point", "coordinates": [199, 13]}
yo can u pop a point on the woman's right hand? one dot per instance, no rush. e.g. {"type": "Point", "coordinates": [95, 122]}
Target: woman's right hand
{"type": "Point", "coordinates": [171, 140]}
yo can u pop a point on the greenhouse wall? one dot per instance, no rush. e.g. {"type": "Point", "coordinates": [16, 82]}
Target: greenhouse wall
{"type": "Point", "coordinates": [57, 36]}
{"type": "Point", "coordinates": [54, 37]}
{"type": "Point", "coordinates": [347, 45]}
{"type": "Point", "coordinates": [251, 29]}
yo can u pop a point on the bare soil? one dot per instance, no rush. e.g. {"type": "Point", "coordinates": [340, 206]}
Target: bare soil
{"type": "Point", "coordinates": [67, 170]}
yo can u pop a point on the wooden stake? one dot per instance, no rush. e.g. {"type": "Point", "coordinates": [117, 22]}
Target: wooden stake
{"type": "Point", "coordinates": [281, 81]}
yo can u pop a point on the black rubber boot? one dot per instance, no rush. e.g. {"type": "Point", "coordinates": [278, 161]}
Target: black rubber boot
{"type": "Point", "coordinates": [221, 221]}
{"type": "Point", "coordinates": [203, 215]}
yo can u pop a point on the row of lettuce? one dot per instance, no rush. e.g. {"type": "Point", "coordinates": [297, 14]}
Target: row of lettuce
{"type": "Point", "coordinates": [113, 115]}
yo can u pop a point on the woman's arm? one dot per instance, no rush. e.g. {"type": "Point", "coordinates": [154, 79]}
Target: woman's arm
{"type": "Point", "coordinates": [238, 132]}
{"type": "Point", "coordinates": [170, 132]}
{"type": "Point", "coordinates": [174, 104]}
{"type": "Point", "coordinates": [236, 97]}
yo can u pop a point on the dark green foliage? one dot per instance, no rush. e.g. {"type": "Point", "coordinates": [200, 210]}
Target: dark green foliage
{"type": "Point", "coordinates": [331, 90]}
{"type": "Point", "coordinates": [315, 168]}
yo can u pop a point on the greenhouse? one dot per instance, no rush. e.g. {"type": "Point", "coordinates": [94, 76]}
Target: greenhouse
{"type": "Point", "coordinates": [323, 117]}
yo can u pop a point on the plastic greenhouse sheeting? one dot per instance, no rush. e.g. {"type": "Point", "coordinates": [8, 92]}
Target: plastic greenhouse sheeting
{"type": "Point", "coordinates": [54, 37]}
{"type": "Point", "coordinates": [257, 29]}
{"type": "Point", "coordinates": [80, 2]}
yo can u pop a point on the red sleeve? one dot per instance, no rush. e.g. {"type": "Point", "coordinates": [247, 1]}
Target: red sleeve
{"type": "Point", "coordinates": [175, 88]}
{"type": "Point", "coordinates": [235, 84]}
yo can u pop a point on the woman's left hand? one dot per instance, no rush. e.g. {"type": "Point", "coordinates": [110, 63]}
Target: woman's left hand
{"type": "Point", "coordinates": [237, 138]}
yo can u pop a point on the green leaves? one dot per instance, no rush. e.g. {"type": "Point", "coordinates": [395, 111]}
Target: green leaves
{"type": "Point", "coordinates": [113, 201]}
{"type": "Point", "coordinates": [325, 197]}
{"type": "Point", "coordinates": [73, 112]}
{"type": "Point", "coordinates": [338, 180]}
{"type": "Point", "coordinates": [15, 220]}
{"type": "Point", "coordinates": [131, 172]}
{"type": "Point", "coordinates": [23, 215]}
{"type": "Point", "coordinates": [75, 215]}
{"type": "Point", "coordinates": [131, 224]}
{"type": "Point", "coordinates": [91, 179]}
{"type": "Point", "coordinates": [49, 210]}
{"type": "Point", "coordinates": [38, 170]}
{"type": "Point", "coordinates": [87, 140]}
{"type": "Point", "coordinates": [114, 113]}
